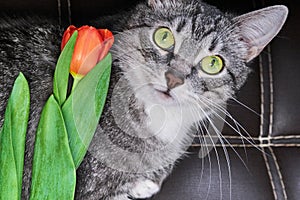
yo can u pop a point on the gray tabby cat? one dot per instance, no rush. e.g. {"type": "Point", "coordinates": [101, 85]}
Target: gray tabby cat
{"type": "Point", "coordinates": [175, 64]}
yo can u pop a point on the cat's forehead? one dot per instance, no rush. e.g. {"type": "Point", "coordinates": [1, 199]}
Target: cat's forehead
{"type": "Point", "coordinates": [196, 22]}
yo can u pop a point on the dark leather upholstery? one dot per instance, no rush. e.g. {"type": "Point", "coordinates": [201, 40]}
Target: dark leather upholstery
{"type": "Point", "coordinates": [271, 171]}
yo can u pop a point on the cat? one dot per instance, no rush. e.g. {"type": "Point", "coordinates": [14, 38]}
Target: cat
{"type": "Point", "coordinates": [175, 63]}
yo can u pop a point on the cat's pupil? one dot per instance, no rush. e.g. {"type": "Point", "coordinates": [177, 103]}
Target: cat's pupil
{"type": "Point", "coordinates": [165, 36]}
{"type": "Point", "coordinates": [213, 61]}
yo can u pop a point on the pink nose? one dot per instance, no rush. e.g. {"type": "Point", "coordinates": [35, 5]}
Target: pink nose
{"type": "Point", "coordinates": [174, 79]}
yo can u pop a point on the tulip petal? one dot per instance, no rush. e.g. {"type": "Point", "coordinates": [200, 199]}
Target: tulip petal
{"type": "Point", "coordinates": [67, 34]}
{"type": "Point", "coordinates": [95, 56]}
{"type": "Point", "coordinates": [90, 61]}
{"type": "Point", "coordinates": [88, 39]}
{"type": "Point", "coordinates": [105, 33]}
{"type": "Point", "coordinates": [107, 44]}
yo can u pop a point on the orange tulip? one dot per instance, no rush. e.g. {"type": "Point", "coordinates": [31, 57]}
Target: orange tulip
{"type": "Point", "coordinates": [91, 47]}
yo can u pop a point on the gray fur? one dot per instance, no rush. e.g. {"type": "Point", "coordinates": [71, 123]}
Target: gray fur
{"type": "Point", "coordinates": [140, 135]}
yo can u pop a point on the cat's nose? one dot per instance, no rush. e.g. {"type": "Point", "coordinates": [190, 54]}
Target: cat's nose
{"type": "Point", "coordinates": [174, 78]}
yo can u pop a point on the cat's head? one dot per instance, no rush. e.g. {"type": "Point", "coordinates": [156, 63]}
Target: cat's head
{"type": "Point", "coordinates": [190, 52]}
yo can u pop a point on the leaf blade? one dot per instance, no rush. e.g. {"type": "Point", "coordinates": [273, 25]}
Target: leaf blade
{"type": "Point", "coordinates": [53, 175]}
{"type": "Point", "coordinates": [12, 140]}
{"type": "Point", "coordinates": [61, 74]}
{"type": "Point", "coordinates": [83, 108]}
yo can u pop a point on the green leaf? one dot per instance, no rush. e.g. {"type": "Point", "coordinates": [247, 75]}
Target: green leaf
{"type": "Point", "coordinates": [62, 70]}
{"type": "Point", "coordinates": [12, 140]}
{"type": "Point", "coordinates": [83, 108]}
{"type": "Point", "coordinates": [53, 175]}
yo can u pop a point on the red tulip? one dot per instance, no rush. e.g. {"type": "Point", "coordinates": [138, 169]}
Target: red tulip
{"type": "Point", "coordinates": [91, 47]}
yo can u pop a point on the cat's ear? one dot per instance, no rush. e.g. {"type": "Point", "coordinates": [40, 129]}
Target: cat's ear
{"type": "Point", "coordinates": [259, 27]}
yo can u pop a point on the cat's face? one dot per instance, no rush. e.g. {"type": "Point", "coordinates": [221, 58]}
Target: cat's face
{"type": "Point", "coordinates": [190, 53]}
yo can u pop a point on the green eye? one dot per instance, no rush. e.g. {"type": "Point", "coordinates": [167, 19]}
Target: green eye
{"type": "Point", "coordinates": [212, 65]}
{"type": "Point", "coordinates": [164, 38]}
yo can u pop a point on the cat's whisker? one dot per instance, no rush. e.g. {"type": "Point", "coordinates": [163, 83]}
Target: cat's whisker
{"type": "Point", "coordinates": [238, 155]}
{"type": "Point", "coordinates": [223, 110]}
{"type": "Point", "coordinates": [209, 158]}
{"type": "Point", "coordinates": [200, 132]}
{"type": "Point", "coordinates": [220, 136]}
{"type": "Point", "coordinates": [245, 106]}
{"type": "Point", "coordinates": [217, 155]}
{"type": "Point", "coordinates": [205, 145]}
{"type": "Point", "coordinates": [237, 131]}
{"type": "Point", "coordinates": [220, 108]}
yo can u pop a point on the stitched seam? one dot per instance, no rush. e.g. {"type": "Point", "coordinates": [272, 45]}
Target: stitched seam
{"type": "Point", "coordinates": [254, 138]}
{"type": "Point", "coordinates": [59, 11]}
{"type": "Point", "coordinates": [262, 126]}
{"type": "Point", "coordinates": [69, 11]}
{"type": "Point", "coordinates": [279, 173]}
{"type": "Point", "coordinates": [271, 120]}
{"type": "Point", "coordinates": [270, 174]}
{"type": "Point", "coordinates": [262, 100]}
{"type": "Point", "coordinates": [271, 116]}
{"type": "Point", "coordinates": [227, 137]}
{"type": "Point", "coordinates": [247, 145]}
{"type": "Point", "coordinates": [286, 137]}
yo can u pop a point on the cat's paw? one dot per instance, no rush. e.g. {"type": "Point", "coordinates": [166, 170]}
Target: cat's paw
{"type": "Point", "coordinates": [144, 189]}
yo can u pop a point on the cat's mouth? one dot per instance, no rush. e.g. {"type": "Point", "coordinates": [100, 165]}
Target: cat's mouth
{"type": "Point", "coordinates": [160, 94]}
{"type": "Point", "coordinates": [163, 94]}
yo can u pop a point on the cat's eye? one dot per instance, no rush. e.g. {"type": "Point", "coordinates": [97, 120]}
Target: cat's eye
{"type": "Point", "coordinates": [164, 39]}
{"type": "Point", "coordinates": [212, 65]}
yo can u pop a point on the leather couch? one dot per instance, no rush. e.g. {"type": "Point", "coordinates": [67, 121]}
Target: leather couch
{"type": "Point", "coordinates": [264, 165]}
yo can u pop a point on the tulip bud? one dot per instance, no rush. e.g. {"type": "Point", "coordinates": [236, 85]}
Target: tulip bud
{"type": "Point", "coordinates": [91, 46]}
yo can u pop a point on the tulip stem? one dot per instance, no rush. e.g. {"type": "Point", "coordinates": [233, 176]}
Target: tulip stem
{"type": "Point", "coordinates": [75, 83]}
